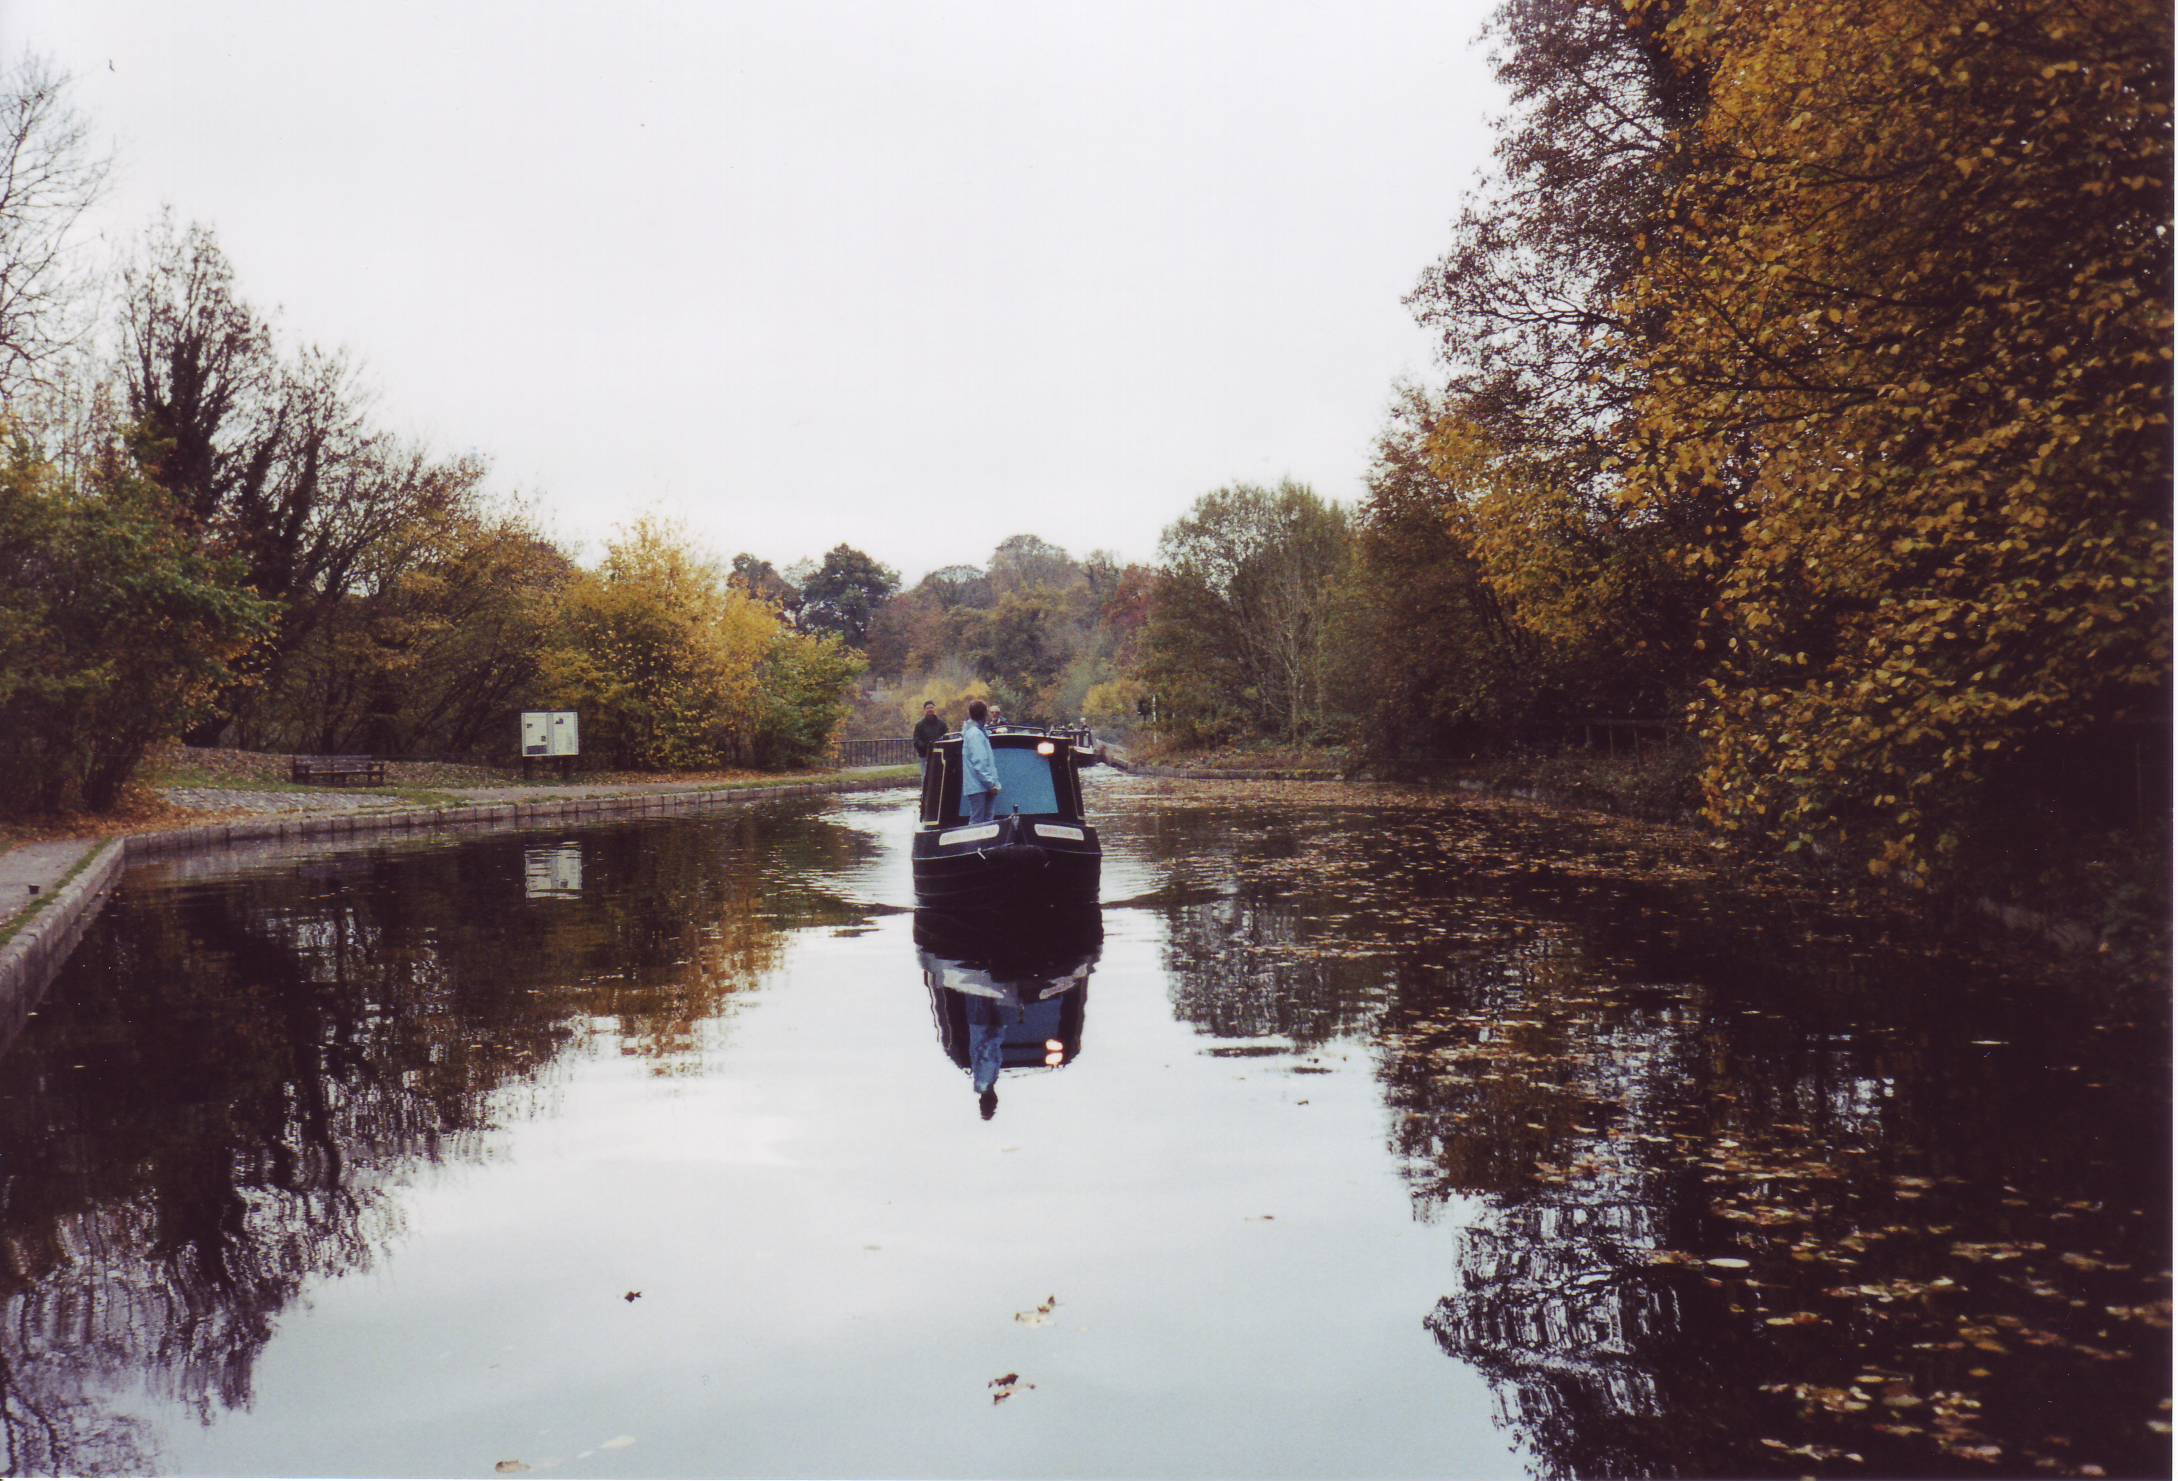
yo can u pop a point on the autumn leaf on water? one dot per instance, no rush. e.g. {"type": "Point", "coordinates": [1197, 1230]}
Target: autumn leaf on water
{"type": "Point", "coordinates": [1004, 1386]}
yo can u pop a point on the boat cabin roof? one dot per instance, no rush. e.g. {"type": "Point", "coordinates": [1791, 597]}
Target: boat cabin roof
{"type": "Point", "coordinates": [1038, 774]}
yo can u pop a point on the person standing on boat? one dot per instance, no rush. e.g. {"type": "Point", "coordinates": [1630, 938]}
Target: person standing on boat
{"type": "Point", "coordinates": [978, 767]}
{"type": "Point", "coordinates": [929, 730]}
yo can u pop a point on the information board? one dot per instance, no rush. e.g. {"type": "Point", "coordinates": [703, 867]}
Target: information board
{"type": "Point", "coordinates": [549, 733]}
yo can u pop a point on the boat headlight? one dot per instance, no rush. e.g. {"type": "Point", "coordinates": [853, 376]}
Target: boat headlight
{"type": "Point", "coordinates": [1045, 748]}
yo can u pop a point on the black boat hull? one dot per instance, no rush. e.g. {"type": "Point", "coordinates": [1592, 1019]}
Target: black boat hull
{"type": "Point", "coordinates": [1016, 868]}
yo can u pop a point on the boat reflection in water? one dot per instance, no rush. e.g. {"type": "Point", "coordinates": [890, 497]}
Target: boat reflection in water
{"type": "Point", "coordinates": [1008, 994]}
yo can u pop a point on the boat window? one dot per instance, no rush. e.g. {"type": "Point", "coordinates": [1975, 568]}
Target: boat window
{"type": "Point", "coordinates": [1024, 779]}
{"type": "Point", "coordinates": [934, 788]}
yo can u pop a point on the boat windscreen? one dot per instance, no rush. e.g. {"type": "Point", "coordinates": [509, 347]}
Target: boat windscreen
{"type": "Point", "coordinates": [1024, 781]}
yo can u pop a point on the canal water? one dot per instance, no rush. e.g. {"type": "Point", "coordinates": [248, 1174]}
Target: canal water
{"type": "Point", "coordinates": [1361, 1133]}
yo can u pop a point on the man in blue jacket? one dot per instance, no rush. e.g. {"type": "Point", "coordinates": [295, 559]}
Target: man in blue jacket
{"type": "Point", "coordinates": [978, 767]}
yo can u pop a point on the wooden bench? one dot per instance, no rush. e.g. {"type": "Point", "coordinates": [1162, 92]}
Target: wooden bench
{"type": "Point", "coordinates": [340, 770]}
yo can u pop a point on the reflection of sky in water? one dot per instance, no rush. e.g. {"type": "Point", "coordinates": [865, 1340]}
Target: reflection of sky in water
{"type": "Point", "coordinates": [1358, 1172]}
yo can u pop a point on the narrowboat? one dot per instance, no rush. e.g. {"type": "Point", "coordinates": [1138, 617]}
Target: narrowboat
{"type": "Point", "coordinates": [1037, 849]}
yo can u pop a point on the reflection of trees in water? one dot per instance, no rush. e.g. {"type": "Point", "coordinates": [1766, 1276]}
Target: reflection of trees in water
{"type": "Point", "coordinates": [228, 1086]}
{"type": "Point", "coordinates": [673, 926]}
{"type": "Point", "coordinates": [1512, 1086]}
{"type": "Point", "coordinates": [1591, 1067]}
{"type": "Point", "coordinates": [1248, 966]}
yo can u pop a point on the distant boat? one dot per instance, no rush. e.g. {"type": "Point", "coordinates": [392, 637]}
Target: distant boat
{"type": "Point", "coordinates": [1038, 848]}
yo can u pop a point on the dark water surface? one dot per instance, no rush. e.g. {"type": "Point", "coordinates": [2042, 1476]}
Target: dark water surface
{"type": "Point", "coordinates": [1365, 1133]}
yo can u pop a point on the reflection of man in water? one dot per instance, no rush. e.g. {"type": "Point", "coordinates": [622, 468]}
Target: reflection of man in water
{"type": "Point", "coordinates": [986, 1047]}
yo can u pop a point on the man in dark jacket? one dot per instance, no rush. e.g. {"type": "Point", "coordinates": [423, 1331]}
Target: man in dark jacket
{"type": "Point", "coordinates": [929, 730]}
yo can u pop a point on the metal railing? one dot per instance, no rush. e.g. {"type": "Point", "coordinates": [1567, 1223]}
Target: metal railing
{"type": "Point", "coordinates": [884, 751]}
{"type": "Point", "coordinates": [1613, 735]}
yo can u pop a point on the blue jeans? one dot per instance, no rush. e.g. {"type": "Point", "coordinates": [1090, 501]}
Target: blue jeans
{"type": "Point", "coordinates": [976, 806]}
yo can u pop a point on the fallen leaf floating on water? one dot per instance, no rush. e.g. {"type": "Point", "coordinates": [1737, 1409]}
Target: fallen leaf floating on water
{"type": "Point", "coordinates": [1815, 1452]}
{"type": "Point", "coordinates": [2089, 1262]}
{"type": "Point", "coordinates": [617, 1442]}
{"type": "Point", "coordinates": [1727, 1262]}
{"type": "Point", "coordinates": [633, 1296]}
{"type": "Point", "coordinates": [509, 1467]}
{"type": "Point", "coordinates": [1040, 1315]}
{"type": "Point", "coordinates": [1004, 1386]}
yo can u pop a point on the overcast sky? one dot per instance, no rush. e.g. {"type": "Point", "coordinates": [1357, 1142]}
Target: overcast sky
{"type": "Point", "coordinates": [914, 276]}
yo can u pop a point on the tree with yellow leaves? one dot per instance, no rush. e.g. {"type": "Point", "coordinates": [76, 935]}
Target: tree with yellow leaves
{"type": "Point", "coordinates": [675, 667]}
{"type": "Point", "coordinates": [1909, 325]}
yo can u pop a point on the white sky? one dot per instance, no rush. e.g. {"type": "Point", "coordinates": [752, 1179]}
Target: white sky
{"type": "Point", "coordinates": [914, 276]}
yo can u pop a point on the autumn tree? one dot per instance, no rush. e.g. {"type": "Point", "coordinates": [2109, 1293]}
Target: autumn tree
{"type": "Point", "coordinates": [805, 686]}
{"type": "Point", "coordinates": [1540, 383]}
{"type": "Point", "coordinates": [762, 580]}
{"type": "Point", "coordinates": [674, 666]}
{"type": "Point", "coordinates": [436, 644]}
{"type": "Point", "coordinates": [1037, 632]}
{"type": "Point", "coordinates": [958, 586]}
{"type": "Point", "coordinates": [659, 654]}
{"type": "Point", "coordinates": [270, 459]}
{"type": "Point", "coordinates": [842, 596]}
{"type": "Point", "coordinates": [1020, 647]}
{"type": "Point", "coordinates": [1911, 314]}
{"type": "Point", "coordinates": [1468, 675]}
{"type": "Point", "coordinates": [1030, 563]}
{"type": "Point", "coordinates": [1238, 619]}
{"type": "Point", "coordinates": [114, 627]}
{"type": "Point", "coordinates": [1527, 299]}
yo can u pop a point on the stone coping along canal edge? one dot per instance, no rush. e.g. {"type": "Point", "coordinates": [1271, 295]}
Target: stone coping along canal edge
{"type": "Point", "coordinates": [43, 938]}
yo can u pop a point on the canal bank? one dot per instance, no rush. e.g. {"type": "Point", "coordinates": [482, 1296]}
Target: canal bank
{"type": "Point", "coordinates": [54, 889]}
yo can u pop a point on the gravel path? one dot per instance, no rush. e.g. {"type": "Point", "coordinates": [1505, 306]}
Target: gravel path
{"type": "Point", "coordinates": [31, 870]}
{"type": "Point", "coordinates": [232, 799]}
